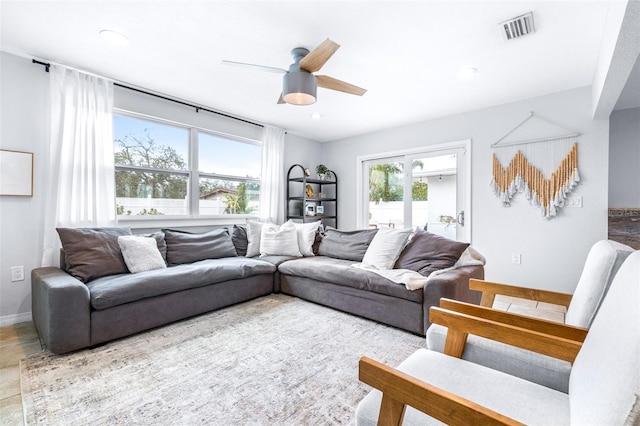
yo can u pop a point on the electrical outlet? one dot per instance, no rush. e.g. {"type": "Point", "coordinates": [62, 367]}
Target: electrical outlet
{"type": "Point", "coordinates": [573, 202]}
{"type": "Point", "coordinates": [17, 273]}
{"type": "Point", "coordinates": [516, 259]}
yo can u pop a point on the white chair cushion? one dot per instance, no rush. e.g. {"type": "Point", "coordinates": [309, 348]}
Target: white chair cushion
{"type": "Point", "coordinates": [530, 308]}
{"type": "Point", "coordinates": [606, 374]}
{"type": "Point", "coordinates": [524, 401]}
{"type": "Point", "coordinates": [603, 261]}
{"type": "Point", "coordinates": [534, 367]}
{"type": "Point", "coordinates": [540, 312]}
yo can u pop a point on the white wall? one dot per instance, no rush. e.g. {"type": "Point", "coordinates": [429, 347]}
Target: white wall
{"type": "Point", "coordinates": [25, 123]}
{"type": "Point", "coordinates": [624, 158]}
{"type": "Point", "coordinates": [24, 94]}
{"type": "Point", "coordinates": [553, 251]}
{"type": "Point", "coordinates": [302, 151]}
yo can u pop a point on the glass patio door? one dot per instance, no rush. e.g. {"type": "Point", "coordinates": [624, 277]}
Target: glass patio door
{"type": "Point", "coordinates": [420, 188]}
{"type": "Point", "coordinates": [386, 207]}
{"type": "Point", "coordinates": [434, 204]}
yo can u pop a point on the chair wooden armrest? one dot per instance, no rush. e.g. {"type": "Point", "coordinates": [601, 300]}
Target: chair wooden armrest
{"type": "Point", "coordinates": [400, 389]}
{"type": "Point", "coordinates": [490, 290]}
{"type": "Point", "coordinates": [535, 324]}
{"type": "Point", "coordinates": [461, 325]}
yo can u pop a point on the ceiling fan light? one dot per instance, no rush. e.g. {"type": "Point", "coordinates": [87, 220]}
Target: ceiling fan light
{"type": "Point", "coordinates": [299, 88]}
{"type": "Point", "coordinates": [299, 99]}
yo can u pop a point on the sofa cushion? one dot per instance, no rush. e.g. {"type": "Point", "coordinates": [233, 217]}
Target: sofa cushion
{"type": "Point", "coordinates": [92, 253]}
{"type": "Point", "coordinates": [427, 252]}
{"type": "Point", "coordinates": [279, 240]}
{"type": "Point", "coordinates": [254, 232]}
{"type": "Point", "coordinates": [239, 239]}
{"type": "Point", "coordinates": [339, 271]}
{"type": "Point", "coordinates": [115, 290]}
{"type": "Point", "coordinates": [184, 247]}
{"type": "Point", "coordinates": [307, 233]}
{"type": "Point", "coordinates": [160, 242]}
{"type": "Point", "coordinates": [348, 245]}
{"type": "Point", "coordinates": [140, 253]}
{"type": "Point", "coordinates": [386, 247]}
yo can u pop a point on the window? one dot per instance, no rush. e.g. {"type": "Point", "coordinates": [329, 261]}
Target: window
{"type": "Point", "coordinates": [229, 178]}
{"type": "Point", "coordinates": [158, 165]}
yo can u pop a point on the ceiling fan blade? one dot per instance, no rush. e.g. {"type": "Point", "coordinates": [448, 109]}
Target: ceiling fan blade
{"type": "Point", "coordinates": [319, 56]}
{"type": "Point", "coordinates": [339, 85]}
{"type": "Point", "coordinates": [255, 67]}
{"type": "Point", "coordinates": [281, 100]}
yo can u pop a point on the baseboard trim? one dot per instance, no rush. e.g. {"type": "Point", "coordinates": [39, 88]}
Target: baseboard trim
{"type": "Point", "coordinates": [15, 319]}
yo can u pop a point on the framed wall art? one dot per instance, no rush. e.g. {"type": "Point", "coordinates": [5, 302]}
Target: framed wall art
{"type": "Point", "coordinates": [16, 173]}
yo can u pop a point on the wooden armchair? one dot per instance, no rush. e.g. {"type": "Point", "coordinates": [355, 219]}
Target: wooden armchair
{"type": "Point", "coordinates": [544, 303]}
{"type": "Point", "coordinates": [544, 337]}
{"type": "Point", "coordinates": [430, 385]}
{"type": "Point", "coordinates": [603, 261]}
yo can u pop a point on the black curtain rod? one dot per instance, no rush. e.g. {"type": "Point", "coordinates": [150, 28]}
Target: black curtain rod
{"type": "Point", "coordinates": [196, 107]}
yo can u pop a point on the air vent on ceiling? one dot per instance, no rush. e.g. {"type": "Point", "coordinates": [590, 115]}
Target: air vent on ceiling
{"type": "Point", "coordinates": [518, 26]}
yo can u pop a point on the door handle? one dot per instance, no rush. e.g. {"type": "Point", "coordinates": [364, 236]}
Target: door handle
{"type": "Point", "coordinates": [460, 218]}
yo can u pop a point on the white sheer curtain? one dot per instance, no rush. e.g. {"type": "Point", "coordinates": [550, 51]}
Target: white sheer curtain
{"type": "Point", "coordinates": [80, 186]}
{"type": "Point", "coordinates": [272, 182]}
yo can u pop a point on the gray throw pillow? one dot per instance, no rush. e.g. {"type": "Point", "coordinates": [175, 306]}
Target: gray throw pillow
{"type": "Point", "coordinates": [239, 238]}
{"type": "Point", "coordinates": [184, 247]}
{"type": "Point", "coordinates": [427, 252]}
{"type": "Point", "coordinates": [91, 253]}
{"type": "Point", "coordinates": [160, 242]}
{"type": "Point", "coordinates": [348, 245]}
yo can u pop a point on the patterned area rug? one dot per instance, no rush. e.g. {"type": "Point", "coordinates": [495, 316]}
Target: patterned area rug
{"type": "Point", "coordinates": [274, 360]}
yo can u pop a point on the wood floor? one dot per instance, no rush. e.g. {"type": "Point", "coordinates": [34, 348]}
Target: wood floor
{"type": "Point", "coordinates": [16, 342]}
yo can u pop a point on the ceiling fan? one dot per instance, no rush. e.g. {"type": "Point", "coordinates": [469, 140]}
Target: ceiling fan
{"type": "Point", "coordinates": [299, 84]}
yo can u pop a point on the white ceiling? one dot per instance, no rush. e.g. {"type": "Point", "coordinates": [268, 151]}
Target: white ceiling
{"type": "Point", "coordinates": [405, 53]}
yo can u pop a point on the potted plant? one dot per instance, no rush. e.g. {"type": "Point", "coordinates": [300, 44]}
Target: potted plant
{"type": "Point", "coordinates": [322, 171]}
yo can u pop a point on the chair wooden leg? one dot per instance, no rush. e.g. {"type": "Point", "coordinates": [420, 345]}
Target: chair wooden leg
{"type": "Point", "coordinates": [391, 412]}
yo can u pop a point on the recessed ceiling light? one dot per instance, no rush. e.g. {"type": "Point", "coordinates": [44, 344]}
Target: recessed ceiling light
{"type": "Point", "coordinates": [316, 116]}
{"type": "Point", "coordinates": [466, 73]}
{"type": "Point", "coordinates": [114, 37]}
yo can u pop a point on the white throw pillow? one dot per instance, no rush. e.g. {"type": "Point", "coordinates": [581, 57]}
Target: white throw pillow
{"type": "Point", "coordinates": [140, 253]}
{"type": "Point", "coordinates": [254, 231]}
{"type": "Point", "coordinates": [307, 236]}
{"type": "Point", "coordinates": [385, 248]}
{"type": "Point", "coordinates": [279, 240]}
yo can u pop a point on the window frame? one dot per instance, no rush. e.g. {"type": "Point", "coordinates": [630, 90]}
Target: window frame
{"type": "Point", "coordinates": [193, 174]}
{"type": "Point", "coordinates": [464, 181]}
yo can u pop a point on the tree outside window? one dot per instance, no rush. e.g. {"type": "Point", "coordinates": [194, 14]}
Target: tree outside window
{"type": "Point", "coordinates": [153, 174]}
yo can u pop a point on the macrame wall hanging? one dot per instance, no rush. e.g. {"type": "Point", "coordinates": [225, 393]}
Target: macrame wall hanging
{"type": "Point", "coordinates": [545, 170]}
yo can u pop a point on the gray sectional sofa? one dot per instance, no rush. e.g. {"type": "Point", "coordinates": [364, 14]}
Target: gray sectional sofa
{"type": "Point", "coordinates": [94, 298]}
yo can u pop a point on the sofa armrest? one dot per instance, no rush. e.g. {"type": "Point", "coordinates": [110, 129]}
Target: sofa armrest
{"type": "Point", "coordinates": [61, 310]}
{"type": "Point", "coordinates": [490, 290]}
{"type": "Point", "coordinates": [453, 284]}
